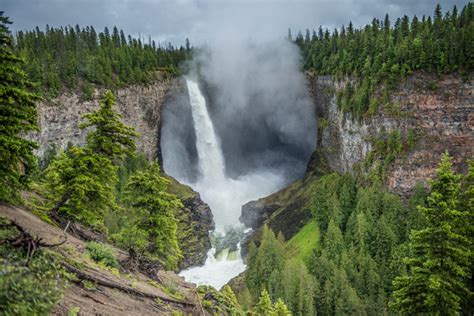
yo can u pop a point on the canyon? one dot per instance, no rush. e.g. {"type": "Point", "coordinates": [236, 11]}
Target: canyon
{"type": "Point", "coordinates": [438, 109]}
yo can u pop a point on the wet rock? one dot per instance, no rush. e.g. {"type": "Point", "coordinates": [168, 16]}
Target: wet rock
{"type": "Point", "coordinates": [254, 213]}
{"type": "Point", "coordinates": [195, 221]}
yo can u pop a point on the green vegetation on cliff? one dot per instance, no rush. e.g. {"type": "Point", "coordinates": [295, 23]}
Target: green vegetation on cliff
{"type": "Point", "coordinates": [383, 54]}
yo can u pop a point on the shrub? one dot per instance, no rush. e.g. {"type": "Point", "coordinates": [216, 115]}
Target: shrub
{"type": "Point", "coordinates": [101, 254]}
{"type": "Point", "coordinates": [31, 288]}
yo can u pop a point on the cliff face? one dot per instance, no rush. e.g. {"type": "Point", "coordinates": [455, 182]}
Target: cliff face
{"type": "Point", "coordinates": [140, 106]}
{"type": "Point", "coordinates": [438, 111]}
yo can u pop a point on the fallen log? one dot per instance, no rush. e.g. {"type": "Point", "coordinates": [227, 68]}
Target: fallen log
{"type": "Point", "coordinates": [114, 285]}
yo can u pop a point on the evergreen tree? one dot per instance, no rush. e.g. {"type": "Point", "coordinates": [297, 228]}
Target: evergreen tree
{"type": "Point", "coordinates": [264, 262]}
{"type": "Point", "coordinates": [80, 183]}
{"type": "Point", "coordinates": [264, 306]}
{"type": "Point", "coordinates": [146, 193]}
{"type": "Point", "coordinates": [280, 309]}
{"type": "Point", "coordinates": [439, 263]}
{"type": "Point", "coordinates": [17, 117]}
{"type": "Point", "coordinates": [110, 137]}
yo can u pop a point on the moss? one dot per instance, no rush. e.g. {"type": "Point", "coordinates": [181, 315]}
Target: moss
{"type": "Point", "coordinates": [88, 285]}
{"type": "Point", "coordinates": [180, 190]}
{"type": "Point", "coordinates": [323, 123]}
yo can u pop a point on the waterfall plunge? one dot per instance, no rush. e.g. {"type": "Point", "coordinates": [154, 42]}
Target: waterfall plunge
{"type": "Point", "coordinates": [224, 195]}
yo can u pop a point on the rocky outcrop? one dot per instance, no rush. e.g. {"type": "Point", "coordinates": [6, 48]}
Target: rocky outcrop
{"type": "Point", "coordinates": [438, 110]}
{"type": "Point", "coordinates": [254, 213]}
{"type": "Point", "coordinates": [196, 222]}
{"type": "Point", "coordinates": [140, 106]}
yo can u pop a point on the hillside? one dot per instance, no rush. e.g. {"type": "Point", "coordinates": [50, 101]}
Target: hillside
{"type": "Point", "coordinates": [94, 288]}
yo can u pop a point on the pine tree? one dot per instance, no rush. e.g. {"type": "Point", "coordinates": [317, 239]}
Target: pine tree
{"type": "Point", "coordinates": [146, 193]}
{"type": "Point", "coordinates": [264, 306]}
{"type": "Point", "coordinates": [280, 309]}
{"type": "Point", "coordinates": [80, 183]}
{"type": "Point", "coordinates": [17, 116]}
{"type": "Point", "coordinates": [263, 262]}
{"type": "Point", "coordinates": [110, 136]}
{"type": "Point", "coordinates": [439, 263]}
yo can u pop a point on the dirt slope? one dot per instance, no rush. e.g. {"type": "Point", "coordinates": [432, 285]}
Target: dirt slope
{"type": "Point", "coordinates": [110, 292]}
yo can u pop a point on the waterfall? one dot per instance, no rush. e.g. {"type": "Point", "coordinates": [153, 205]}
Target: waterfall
{"type": "Point", "coordinates": [224, 195]}
{"type": "Point", "coordinates": [211, 160]}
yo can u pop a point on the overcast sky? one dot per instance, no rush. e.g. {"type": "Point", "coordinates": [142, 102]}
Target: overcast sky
{"type": "Point", "coordinates": [174, 20]}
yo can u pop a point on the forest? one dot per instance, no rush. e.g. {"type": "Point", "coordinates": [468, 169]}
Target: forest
{"type": "Point", "coordinates": [81, 58]}
{"type": "Point", "coordinates": [366, 251]}
{"type": "Point", "coordinates": [384, 52]}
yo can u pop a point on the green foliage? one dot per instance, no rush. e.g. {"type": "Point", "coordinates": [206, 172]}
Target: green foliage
{"type": "Point", "coordinates": [109, 137]}
{"type": "Point", "coordinates": [18, 116]}
{"type": "Point", "coordinates": [31, 288]}
{"type": "Point", "coordinates": [80, 183]}
{"type": "Point", "coordinates": [130, 165]}
{"type": "Point", "coordinates": [270, 276]}
{"type": "Point", "coordinates": [302, 245]}
{"type": "Point", "coordinates": [264, 305]}
{"type": "Point", "coordinates": [100, 253]}
{"type": "Point", "coordinates": [296, 288]}
{"type": "Point", "coordinates": [380, 54]}
{"type": "Point", "coordinates": [154, 217]}
{"type": "Point", "coordinates": [74, 57]}
{"type": "Point", "coordinates": [441, 252]}
{"type": "Point", "coordinates": [280, 309]}
{"type": "Point", "coordinates": [264, 263]}
{"type": "Point", "coordinates": [355, 244]}
{"type": "Point", "coordinates": [221, 302]}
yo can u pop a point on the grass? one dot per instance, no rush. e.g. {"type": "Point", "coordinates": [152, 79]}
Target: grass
{"type": "Point", "coordinates": [304, 242]}
{"type": "Point", "coordinates": [180, 190]}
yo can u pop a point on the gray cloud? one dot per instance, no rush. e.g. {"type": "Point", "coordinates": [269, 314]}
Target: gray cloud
{"type": "Point", "coordinates": [174, 20]}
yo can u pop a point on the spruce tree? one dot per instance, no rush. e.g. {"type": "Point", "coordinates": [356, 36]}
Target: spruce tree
{"type": "Point", "coordinates": [110, 137]}
{"type": "Point", "coordinates": [440, 253]}
{"type": "Point", "coordinates": [146, 194]}
{"type": "Point", "coordinates": [80, 183]}
{"type": "Point", "coordinates": [280, 309]}
{"type": "Point", "coordinates": [263, 262]}
{"type": "Point", "coordinates": [18, 116]}
{"type": "Point", "coordinates": [264, 306]}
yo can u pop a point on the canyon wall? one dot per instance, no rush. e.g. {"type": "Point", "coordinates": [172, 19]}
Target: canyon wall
{"type": "Point", "coordinates": [438, 111]}
{"type": "Point", "coordinates": [140, 106]}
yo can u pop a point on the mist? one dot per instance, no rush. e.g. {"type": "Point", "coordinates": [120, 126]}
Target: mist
{"type": "Point", "coordinates": [259, 105]}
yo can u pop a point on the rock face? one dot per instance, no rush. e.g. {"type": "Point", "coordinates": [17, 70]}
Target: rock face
{"type": "Point", "coordinates": [254, 213]}
{"type": "Point", "coordinates": [140, 106]}
{"type": "Point", "coordinates": [440, 111]}
{"type": "Point", "coordinates": [196, 220]}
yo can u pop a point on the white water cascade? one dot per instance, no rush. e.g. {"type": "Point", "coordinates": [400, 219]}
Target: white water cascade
{"type": "Point", "coordinates": [224, 195]}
